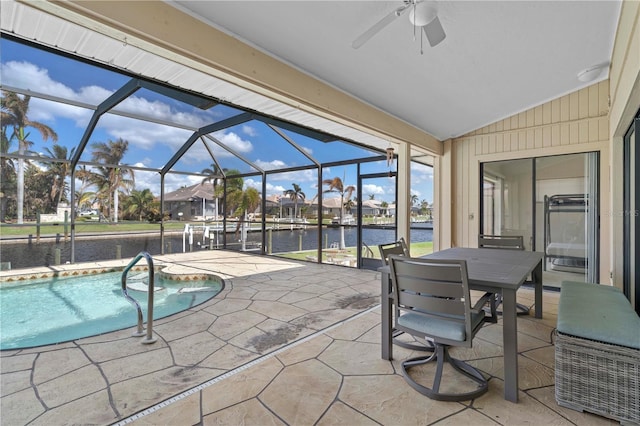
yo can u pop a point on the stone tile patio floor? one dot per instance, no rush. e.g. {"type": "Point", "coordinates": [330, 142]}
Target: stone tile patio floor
{"type": "Point", "coordinates": [285, 342]}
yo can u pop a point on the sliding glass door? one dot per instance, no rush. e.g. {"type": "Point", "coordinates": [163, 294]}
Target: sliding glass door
{"type": "Point", "coordinates": [506, 201]}
{"type": "Point", "coordinates": [552, 202]}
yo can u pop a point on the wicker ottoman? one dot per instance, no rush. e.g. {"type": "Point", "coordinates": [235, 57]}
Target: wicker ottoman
{"type": "Point", "coordinates": [597, 352]}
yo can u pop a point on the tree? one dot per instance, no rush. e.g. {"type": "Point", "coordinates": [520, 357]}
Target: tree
{"type": "Point", "coordinates": [59, 168]}
{"type": "Point", "coordinates": [139, 203]}
{"type": "Point", "coordinates": [83, 197]}
{"type": "Point", "coordinates": [7, 174]}
{"type": "Point", "coordinates": [294, 195]}
{"type": "Point", "coordinates": [38, 184]}
{"type": "Point", "coordinates": [336, 185]}
{"type": "Point", "coordinates": [246, 201]}
{"type": "Point", "coordinates": [414, 199]}
{"type": "Point", "coordinates": [111, 177]}
{"type": "Point", "coordinates": [14, 112]}
{"type": "Point", "coordinates": [350, 204]}
{"type": "Point", "coordinates": [384, 206]}
{"type": "Point", "coordinates": [249, 201]}
{"type": "Point", "coordinates": [214, 176]}
{"type": "Point", "coordinates": [234, 191]}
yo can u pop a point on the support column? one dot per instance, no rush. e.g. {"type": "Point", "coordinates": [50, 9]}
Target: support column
{"type": "Point", "coordinates": [403, 208]}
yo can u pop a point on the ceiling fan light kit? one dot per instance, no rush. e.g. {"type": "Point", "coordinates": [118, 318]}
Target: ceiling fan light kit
{"type": "Point", "coordinates": [422, 14]}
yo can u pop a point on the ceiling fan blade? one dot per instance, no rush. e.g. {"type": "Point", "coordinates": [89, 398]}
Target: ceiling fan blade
{"type": "Point", "coordinates": [366, 36]}
{"type": "Point", "coordinates": [434, 32]}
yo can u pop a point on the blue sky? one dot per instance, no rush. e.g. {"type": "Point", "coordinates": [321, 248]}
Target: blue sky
{"type": "Point", "coordinates": [152, 145]}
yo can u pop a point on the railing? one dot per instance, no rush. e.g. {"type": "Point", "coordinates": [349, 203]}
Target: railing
{"type": "Point", "coordinates": [150, 290]}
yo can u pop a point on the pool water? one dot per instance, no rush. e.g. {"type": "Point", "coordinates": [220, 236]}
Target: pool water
{"type": "Point", "coordinates": [55, 310]}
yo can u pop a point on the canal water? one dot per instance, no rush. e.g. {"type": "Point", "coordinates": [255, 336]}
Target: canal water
{"type": "Point", "coordinates": [22, 254]}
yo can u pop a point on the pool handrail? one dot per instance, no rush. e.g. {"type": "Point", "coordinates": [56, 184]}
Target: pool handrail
{"type": "Point", "coordinates": [150, 291]}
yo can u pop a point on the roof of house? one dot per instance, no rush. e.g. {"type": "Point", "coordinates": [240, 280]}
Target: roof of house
{"type": "Point", "coordinates": [191, 193]}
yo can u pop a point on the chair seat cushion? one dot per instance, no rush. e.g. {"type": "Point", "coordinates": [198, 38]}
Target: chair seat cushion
{"type": "Point", "coordinates": [439, 327]}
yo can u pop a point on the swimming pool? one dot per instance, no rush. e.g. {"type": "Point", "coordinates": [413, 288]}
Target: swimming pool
{"type": "Point", "coordinates": [59, 309]}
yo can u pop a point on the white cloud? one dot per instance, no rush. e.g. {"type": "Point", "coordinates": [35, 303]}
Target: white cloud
{"type": "Point", "coordinates": [233, 141]}
{"type": "Point", "coordinates": [248, 130]}
{"type": "Point", "coordinates": [421, 173]}
{"type": "Point", "coordinates": [25, 74]}
{"type": "Point", "coordinates": [142, 134]}
{"type": "Point", "coordinates": [257, 184]}
{"type": "Point", "coordinates": [370, 189]}
{"type": "Point", "coordinates": [270, 165]}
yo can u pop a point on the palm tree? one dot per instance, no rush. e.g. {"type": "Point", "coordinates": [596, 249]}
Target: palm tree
{"type": "Point", "coordinates": [234, 187]}
{"type": "Point", "coordinates": [294, 195]}
{"type": "Point", "coordinates": [14, 112]}
{"type": "Point", "coordinates": [111, 177]}
{"type": "Point", "coordinates": [213, 175]}
{"type": "Point", "coordinates": [83, 197]}
{"type": "Point", "coordinates": [7, 174]}
{"type": "Point", "coordinates": [384, 206]}
{"type": "Point", "coordinates": [59, 168]}
{"type": "Point", "coordinates": [140, 202]}
{"type": "Point", "coordinates": [336, 185]}
{"type": "Point", "coordinates": [245, 201]}
{"type": "Point", "coordinates": [414, 199]}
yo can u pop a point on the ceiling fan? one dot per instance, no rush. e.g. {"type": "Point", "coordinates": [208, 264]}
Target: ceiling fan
{"type": "Point", "coordinates": [422, 14]}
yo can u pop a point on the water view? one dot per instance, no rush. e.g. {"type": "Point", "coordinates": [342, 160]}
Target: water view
{"type": "Point", "coordinates": [22, 254]}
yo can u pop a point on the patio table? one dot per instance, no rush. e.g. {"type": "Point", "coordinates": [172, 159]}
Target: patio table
{"type": "Point", "coordinates": [492, 270]}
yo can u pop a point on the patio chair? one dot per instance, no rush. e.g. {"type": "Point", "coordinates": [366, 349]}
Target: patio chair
{"type": "Point", "coordinates": [504, 242]}
{"type": "Point", "coordinates": [434, 302]}
{"type": "Point", "coordinates": [397, 247]}
{"type": "Point", "coordinates": [400, 248]}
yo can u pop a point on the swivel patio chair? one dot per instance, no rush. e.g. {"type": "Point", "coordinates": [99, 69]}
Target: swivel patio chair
{"type": "Point", "coordinates": [434, 302]}
{"type": "Point", "coordinates": [504, 242]}
{"type": "Point", "coordinates": [397, 247]}
{"type": "Point", "coordinates": [400, 248]}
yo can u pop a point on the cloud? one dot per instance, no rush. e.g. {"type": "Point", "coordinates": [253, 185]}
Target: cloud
{"type": "Point", "coordinates": [270, 165]}
{"type": "Point", "coordinates": [233, 141]}
{"type": "Point", "coordinates": [421, 174]}
{"type": "Point", "coordinates": [142, 134]}
{"type": "Point", "coordinates": [370, 189]}
{"type": "Point", "coordinates": [257, 184]}
{"type": "Point", "coordinates": [248, 130]}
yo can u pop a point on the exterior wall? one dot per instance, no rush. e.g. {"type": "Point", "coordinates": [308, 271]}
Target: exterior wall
{"type": "Point", "coordinates": [574, 123]}
{"type": "Point", "coordinates": [624, 81]}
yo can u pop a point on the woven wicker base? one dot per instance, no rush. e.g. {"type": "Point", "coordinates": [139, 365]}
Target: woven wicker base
{"type": "Point", "coordinates": [598, 377]}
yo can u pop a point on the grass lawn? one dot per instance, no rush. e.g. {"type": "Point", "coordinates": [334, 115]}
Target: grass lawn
{"type": "Point", "coordinates": [85, 226]}
{"type": "Point", "coordinates": [416, 249]}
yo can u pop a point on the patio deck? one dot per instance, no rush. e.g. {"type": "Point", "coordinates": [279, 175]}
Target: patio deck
{"type": "Point", "coordinates": [285, 342]}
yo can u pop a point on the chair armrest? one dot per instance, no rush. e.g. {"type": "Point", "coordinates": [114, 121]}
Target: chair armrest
{"type": "Point", "coordinates": [478, 306]}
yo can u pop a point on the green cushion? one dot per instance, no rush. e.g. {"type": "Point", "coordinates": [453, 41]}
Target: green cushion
{"type": "Point", "coordinates": [598, 312]}
{"type": "Point", "coordinates": [436, 327]}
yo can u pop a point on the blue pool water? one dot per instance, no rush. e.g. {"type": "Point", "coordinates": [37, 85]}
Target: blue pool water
{"type": "Point", "coordinates": [55, 310]}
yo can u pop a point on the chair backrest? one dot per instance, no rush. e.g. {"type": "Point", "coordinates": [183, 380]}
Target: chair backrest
{"type": "Point", "coordinates": [436, 289]}
{"type": "Point", "coordinates": [512, 242]}
{"type": "Point", "coordinates": [397, 247]}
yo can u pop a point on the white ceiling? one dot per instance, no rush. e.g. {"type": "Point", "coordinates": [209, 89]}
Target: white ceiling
{"type": "Point", "coordinates": [499, 57]}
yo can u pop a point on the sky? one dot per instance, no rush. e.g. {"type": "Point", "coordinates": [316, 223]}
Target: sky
{"type": "Point", "coordinates": [152, 145]}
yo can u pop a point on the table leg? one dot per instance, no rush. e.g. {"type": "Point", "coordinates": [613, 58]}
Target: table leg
{"type": "Point", "coordinates": [385, 301]}
{"type": "Point", "coordinates": [536, 276]}
{"type": "Point", "coordinates": [510, 344]}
